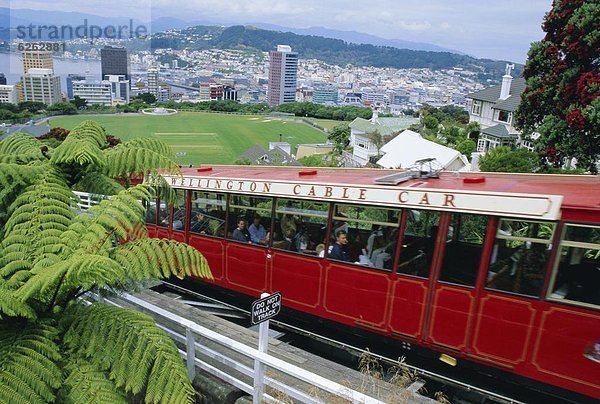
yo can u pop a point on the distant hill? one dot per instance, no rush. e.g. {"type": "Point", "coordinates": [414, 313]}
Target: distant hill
{"type": "Point", "coordinates": [329, 50]}
{"type": "Point", "coordinates": [357, 37]}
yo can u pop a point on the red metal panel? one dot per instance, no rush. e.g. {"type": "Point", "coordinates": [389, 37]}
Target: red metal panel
{"type": "Point", "coordinates": [503, 328]}
{"type": "Point", "coordinates": [298, 278]}
{"type": "Point", "coordinates": [565, 335]}
{"type": "Point", "coordinates": [357, 295]}
{"type": "Point", "coordinates": [162, 232]}
{"type": "Point", "coordinates": [408, 306]}
{"type": "Point", "coordinates": [178, 236]}
{"type": "Point", "coordinates": [214, 251]}
{"type": "Point", "coordinates": [450, 316]}
{"type": "Point", "coordinates": [151, 230]}
{"type": "Point", "coordinates": [246, 267]}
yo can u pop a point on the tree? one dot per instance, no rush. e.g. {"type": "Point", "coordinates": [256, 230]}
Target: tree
{"type": "Point", "coordinates": [319, 160]}
{"type": "Point", "coordinates": [54, 348]}
{"type": "Point", "coordinates": [466, 147]}
{"type": "Point", "coordinates": [504, 159]}
{"type": "Point", "coordinates": [63, 108]}
{"type": "Point", "coordinates": [340, 137]}
{"type": "Point", "coordinates": [377, 140]}
{"type": "Point", "coordinates": [80, 103]}
{"type": "Point", "coordinates": [561, 101]}
{"type": "Point", "coordinates": [147, 98]}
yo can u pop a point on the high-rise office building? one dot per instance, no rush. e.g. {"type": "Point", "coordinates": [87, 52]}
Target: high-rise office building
{"type": "Point", "coordinates": [37, 60]}
{"type": "Point", "coordinates": [153, 82]}
{"type": "Point", "coordinates": [283, 69]}
{"type": "Point", "coordinates": [2, 79]}
{"type": "Point", "coordinates": [70, 79]}
{"type": "Point", "coordinates": [115, 61]}
{"type": "Point", "coordinates": [120, 89]}
{"type": "Point", "coordinates": [41, 85]}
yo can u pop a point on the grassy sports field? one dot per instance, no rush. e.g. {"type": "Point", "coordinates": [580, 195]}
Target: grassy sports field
{"type": "Point", "coordinates": [204, 138]}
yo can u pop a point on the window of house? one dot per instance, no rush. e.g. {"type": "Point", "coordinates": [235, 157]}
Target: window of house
{"type": "Point", "coordinates": [371, 235]}
{"type": "Point", "coordinates": [463, 250]}
{"type": "Point", "coordinates": [519, 257]}
{"type": "Point", "coordinates": [476, 108]}
{"type": "Point", "coordinates": [418, 242]}
{"type": "Point", "coordinates": [249, 219]}
{"type": "Point", "coordinates": [576, 276]}
{"type": "Point", "coordinates": [504, 116]}
{"type": "Point", "coordinates": [301, 226]}
{"type": "Point", "coordinates": [208, 213]}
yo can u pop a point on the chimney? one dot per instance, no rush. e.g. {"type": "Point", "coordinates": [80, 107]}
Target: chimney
{"type": "Point", "coordinates": [506, 82]}
{"type": "Point", "coordinates": [375, 115]}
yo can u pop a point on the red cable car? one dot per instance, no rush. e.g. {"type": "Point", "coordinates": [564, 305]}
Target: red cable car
{"type": "Point", "coordinates": [498, 269]}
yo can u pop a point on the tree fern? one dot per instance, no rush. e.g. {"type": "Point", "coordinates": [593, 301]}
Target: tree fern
{"type": "Point", "coordinates": [118, 340]}
{"type": "Point", "coordinates": [50, 254]}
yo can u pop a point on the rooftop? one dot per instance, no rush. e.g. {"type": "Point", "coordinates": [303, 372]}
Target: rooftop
{"type": "Point", "coordinates": [492, 94]}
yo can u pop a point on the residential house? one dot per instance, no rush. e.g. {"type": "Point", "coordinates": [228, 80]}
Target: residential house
{"type": "Point", "coordinates": [360, 129]}
{"type": "Point", "coordinates": [404, 150]}
{"type": "Point", "coordinates": [493, 108]}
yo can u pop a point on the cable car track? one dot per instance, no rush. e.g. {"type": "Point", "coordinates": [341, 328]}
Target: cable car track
{"type": "Point", "coordinates": [484, 394]}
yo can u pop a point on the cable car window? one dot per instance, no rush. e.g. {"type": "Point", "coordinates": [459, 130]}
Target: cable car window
{"type": "Point", "coordinates": [249, 219]}
{"type": "Point", "coordinates": [207, 216]}
{"type": "Point", "coordinates": [418, 243]}
{"type": "Point", "coordinates": [179, 210]}
{"type": "Point", "coordinates": [576, 276]}
{"type": "Point", "coordinates": [150, 211]}
{"type": "Point", "coordinates": [301, 226]}
{"type": "Point", "coordinates": [163, 213]}
{"type": "Point", "coordinates": [519, 257]}
{"type": "Point", "coordinates": [463, 250]}
{"type": "Point", "coordinates": [364, 235]}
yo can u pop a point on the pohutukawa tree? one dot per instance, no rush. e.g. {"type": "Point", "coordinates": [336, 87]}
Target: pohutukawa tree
{"type": "Point", "coordinates": [53, 347]}
{"type": "Point", "coordinates": [563, 83]}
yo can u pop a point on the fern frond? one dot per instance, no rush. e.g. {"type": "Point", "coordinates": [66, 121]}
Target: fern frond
{"type": "Point", "coordinates": [95, 182]}
{"type": "Point", "coordinates": [82, 146]}
{"type": "Point", "coordinates": [11, 307]}
{"type": "Point", "coordinates": [86, 383]}
{"type": "Point", "coordinates": [23, 145]}
{"type": "Point", "coordinates": [156, 145]}
{"type": "Point", "coordinates": [28, 369]}
{"type": "Point", "coordinates": [155, 258]}
{"type": "Point", "coordinates": [125, 160]}
{"type": "Point", "coordinates": [13, 179]}
{"type": "Point", "coordinates": [137, 354]}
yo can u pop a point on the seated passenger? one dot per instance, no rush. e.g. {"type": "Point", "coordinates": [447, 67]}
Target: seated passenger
{"type": "Point", "coordinates": [200, 224]}
{"type": "Point", "coordinates": [338, 251]}
{"type": "Point", "coordinates": [241, 233]}
{"type": "Point", "coordinates": [258, 233]}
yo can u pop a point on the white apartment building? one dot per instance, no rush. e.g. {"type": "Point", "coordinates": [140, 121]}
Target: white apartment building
{"type": "Point", "coordinates": [94, 92]}
{"type": "Point", "coordinates": [41, 85]}
{"type": "Point", "coordinates": [8, 94]}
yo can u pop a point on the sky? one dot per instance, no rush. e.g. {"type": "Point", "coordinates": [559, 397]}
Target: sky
{"type": "Point", "coordinates": [497, 29]}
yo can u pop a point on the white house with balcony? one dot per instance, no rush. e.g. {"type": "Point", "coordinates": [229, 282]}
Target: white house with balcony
{"type": "Point", "coordinates": [363, 148]}
{"type": "Point", "coordinates": [494, 108]}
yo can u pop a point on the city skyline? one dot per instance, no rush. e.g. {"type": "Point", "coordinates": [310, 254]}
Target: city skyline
{"type": "Point", "coordinates": [492, 29]}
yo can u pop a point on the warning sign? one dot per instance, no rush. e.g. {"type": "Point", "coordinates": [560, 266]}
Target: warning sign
{"type": "Point", "coordinates": [266, 308]}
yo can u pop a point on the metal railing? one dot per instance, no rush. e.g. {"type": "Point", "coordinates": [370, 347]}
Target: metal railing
{"type": "Point", "coordinates": [194, 332]}
{"type": "Point", "coordinates": [87, 200]}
